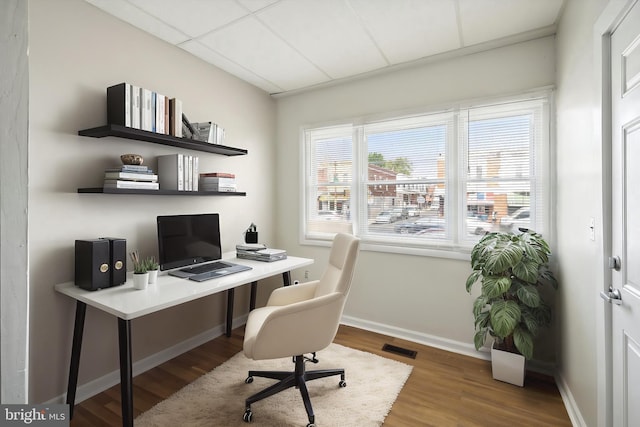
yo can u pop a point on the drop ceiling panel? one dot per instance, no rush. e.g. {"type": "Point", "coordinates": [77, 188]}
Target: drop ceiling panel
{"type": "Point", "coordinates": [193, 17]}
{"type": "Point", "coordinates": [254, 5]}
{"type": "Point", "coordinates": [407, 30]}
{"type": "Point", "coordinates": [249, 43]}
{"type": "Point", "coordinates": [138, 18]}
{"type": "Point", "coordinates": [207, 55]}
{"type": "Point", "coordinates": [327, 33]}
{"type": "Point", "coordinates": [486, 20]}
{"type": "Point", "coordinates": [282, 45]}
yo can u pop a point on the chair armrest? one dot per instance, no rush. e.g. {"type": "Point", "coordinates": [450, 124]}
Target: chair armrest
{"type": "Point", "coordinates": [291, 294]}
{"type": "Point", "coordinates": [295, 329]}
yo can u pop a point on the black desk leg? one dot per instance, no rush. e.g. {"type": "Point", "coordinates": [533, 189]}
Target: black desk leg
{"type": "Point", "coordinates": [286, 278]}
{"type": "Point", "coordinates": [126, 372]}
{"type": "Point", "coordinates": [230, 295]}
{"type": "Point", "coordinates": [78, 328]}
{"type": "Point", "coordinates": [252, 300]}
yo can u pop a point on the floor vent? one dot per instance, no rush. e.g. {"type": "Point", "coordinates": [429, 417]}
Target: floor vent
{"type": "Point", "coordinates": [399, 350]}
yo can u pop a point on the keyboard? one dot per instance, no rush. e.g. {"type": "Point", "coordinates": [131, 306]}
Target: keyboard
{"type": "Point", "coordinates": [205, 268]}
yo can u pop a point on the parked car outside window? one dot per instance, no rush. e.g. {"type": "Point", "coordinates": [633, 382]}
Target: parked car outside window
{"type": "Point", "coordinates": [401, 213]}
{"type": "Point", "coordinates": [386, 217]}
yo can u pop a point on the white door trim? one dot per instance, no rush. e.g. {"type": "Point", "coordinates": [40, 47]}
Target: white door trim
{"type": "Point", "coordinates": [604, 26]}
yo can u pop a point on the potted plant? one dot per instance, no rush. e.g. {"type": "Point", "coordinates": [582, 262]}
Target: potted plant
{"type": "Point", "coordinates": [511, 269]}
{"type": "Point", "coordinates": [140, 274]}
{"type": "Point", "coordinates": [152, 268]}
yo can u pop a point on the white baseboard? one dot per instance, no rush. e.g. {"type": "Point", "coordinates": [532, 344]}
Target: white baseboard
{"type": "Point", "coordinates": [87, 390]}
{"type": "Point", "coordinates": [418, 337]}
{"type": "Point", "coordinates": [569, 402]}
{"type": "Point", "coordinates": [463, 348]}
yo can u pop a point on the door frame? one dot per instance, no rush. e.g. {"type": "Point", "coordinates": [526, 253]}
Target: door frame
{"type": "Point", "coordinates": [608, 20]}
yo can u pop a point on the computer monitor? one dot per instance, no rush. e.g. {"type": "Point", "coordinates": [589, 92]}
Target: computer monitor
{"type": "Point", "coordinates": [185, 240]}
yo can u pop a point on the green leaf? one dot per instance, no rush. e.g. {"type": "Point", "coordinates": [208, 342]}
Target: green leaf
{"type": "Point", "coordinates": [479, 304]}
{"type": "Point", "coordinates": [479, 338]}
{"type": "Point", "coordinates": [505, 255]}
{"type": "Point", "coordinates": [548, 276]}
{"type": "Point", "coordinates": [482, 320]}
{"type": "Point", "coordinates": [542, 314]}
{"type": "Point", "coordinates": [528, 295]}
{"type": "Point", "coordinates": [523, 341]}
{"type": "Point", "coordinates": [526, 270]}
{"type": "Point", "coordinates": [473, 278]}
{"type": "Point", "coordinates": [495, 286]}
{"type": "Point", "coordinates": [505, 316]}
{"type": "Point", "coordinates": [530, 321]}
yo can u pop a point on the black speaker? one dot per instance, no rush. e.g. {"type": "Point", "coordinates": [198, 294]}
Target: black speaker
{"type": "Point", "coordinates": [117, 260]}
{"type": "Point", "coordinates": [92, 264]}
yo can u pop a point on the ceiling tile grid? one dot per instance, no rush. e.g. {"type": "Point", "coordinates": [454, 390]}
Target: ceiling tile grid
{"type": "Point", "coordinates": [286, 45]}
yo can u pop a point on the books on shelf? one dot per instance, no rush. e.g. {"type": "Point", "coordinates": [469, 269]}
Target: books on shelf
{"type": "Point", "coordinates": [217, 175]}
{"type": "Point", "coordinates": [205, 131]}
{"type": "Point", "coordinates": [131, 168]}
{"type": "Point", "coordinates": [178, 172]}
{"type": "Point", "coordinates": [171, 172]}
{"type": "Point", "coordinates": [131, 177]}
{"type": "Point", "coordinates": [219, 189]}
{"type": "Point", "coordinates": [218, 181]}
{"type": "Point", "coordinates": [135, 106]}
{"type": "Point", "coordinates": [146, 117]}
{"type": "Point", "coordinates": [175, 117]}
{"type": "Point", "coordinates": [119, 104]}
{"type": "Point", "coordinates": [209, 132]}
{"type": "Point", "coordinates": [123, 184]}
{"type": "Point", "coordinates": [140, 108]}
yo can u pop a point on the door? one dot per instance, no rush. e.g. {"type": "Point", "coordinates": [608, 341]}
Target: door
{"type": "Point", "coordinates": [625, 266]}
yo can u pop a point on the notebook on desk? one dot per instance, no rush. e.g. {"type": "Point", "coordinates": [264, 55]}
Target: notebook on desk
{"type": "Point", "coordinates": [189, 246]}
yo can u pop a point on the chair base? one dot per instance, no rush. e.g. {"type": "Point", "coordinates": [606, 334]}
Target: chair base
{"type": "Point", "coordinates": [287, 379]}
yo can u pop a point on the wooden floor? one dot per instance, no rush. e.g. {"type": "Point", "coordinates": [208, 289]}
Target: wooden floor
{"type": "Point", "coordinates": [444, 389]}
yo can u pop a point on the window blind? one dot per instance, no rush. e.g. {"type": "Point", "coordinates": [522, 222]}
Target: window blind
{"type": "Point", "coordinates": [436, 180]}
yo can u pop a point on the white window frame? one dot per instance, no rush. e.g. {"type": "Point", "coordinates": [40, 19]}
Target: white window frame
{"type": "Point", "coordinates": [456, 201]}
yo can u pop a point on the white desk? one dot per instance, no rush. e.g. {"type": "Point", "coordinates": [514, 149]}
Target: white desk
{"type": "Point", "coordinates": [127, 303]}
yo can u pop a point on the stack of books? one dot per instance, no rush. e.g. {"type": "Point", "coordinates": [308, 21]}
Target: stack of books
{"type": "Point", "coordinates": [131, 177]}
{"type": "Point", "coordinates": [218, 181]}
{"type": "Point", "coordinates": [259, 252]}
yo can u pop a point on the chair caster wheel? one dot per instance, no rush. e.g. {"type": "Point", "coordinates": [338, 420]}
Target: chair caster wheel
{"type": "Point", "coordinates": [248, 415]}
{"type": "Point", "coordinates": [249, 380]}
{"type": "Point", "coordinates": [342, 383]}
{"type": "Point", "coordinates": [311, 425]}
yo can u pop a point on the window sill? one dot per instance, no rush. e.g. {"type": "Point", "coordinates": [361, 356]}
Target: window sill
{"type": "Point", "coordinates": [463, 254]}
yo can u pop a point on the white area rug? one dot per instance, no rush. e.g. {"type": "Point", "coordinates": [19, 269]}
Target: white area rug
{"type": "Point", "coordinates": [217, 398]}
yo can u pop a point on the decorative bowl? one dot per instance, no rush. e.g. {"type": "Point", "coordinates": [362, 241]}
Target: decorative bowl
{"type": "Point", "coordinates": [131, 159]}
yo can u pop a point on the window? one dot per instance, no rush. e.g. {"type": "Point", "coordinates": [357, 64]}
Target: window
{"type": "Point", "coordinates": [437, 180]}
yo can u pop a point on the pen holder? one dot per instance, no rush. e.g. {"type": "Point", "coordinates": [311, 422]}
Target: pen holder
{"type": "Point", "coordinates": [251, 237]}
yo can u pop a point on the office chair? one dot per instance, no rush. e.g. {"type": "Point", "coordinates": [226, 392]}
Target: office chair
{"type": "Point", "coordinates": [301, 319]}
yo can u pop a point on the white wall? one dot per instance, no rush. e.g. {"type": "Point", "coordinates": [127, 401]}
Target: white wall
{"type": "Point", "coordinates": [420, 297]}
{"type": "Point", "coordinates": [76, 52]}
{"type": "Point", "coordinates": [579, 198]}
{"type": "Point", "coordinates": [14, 126]}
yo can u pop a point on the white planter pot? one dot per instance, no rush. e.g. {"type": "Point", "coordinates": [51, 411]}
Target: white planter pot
{"type": "Point", "coordinates": [140, 281]}
{"type": "Point", "coordinates": [507, 367]}
{"type": "Point", "coordinates": [153, 276]}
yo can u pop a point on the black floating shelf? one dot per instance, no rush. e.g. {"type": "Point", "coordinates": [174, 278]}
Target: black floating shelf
{"type": "Point", "coordinates": [100, 190]}
{"type": "Point", "coordinates": [159, 138]}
